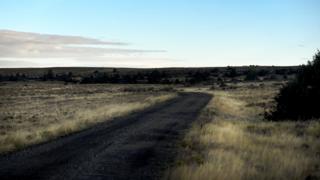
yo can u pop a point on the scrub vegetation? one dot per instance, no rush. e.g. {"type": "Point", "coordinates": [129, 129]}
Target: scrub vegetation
{"type": "Point", "coordinates": [231, 139]}
{"type": "Point", "coordinates": [300, 98]}
{"type": "Point", "coordinates": [34, 112]}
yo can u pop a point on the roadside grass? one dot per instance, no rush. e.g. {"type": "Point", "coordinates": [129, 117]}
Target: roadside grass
{"type": "Point", "coordinates": [232, 141]}
{"type": "Point", "coordinates": [32, 113]}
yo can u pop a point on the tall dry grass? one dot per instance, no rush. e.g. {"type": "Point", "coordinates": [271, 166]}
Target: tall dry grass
{"type": "Point", "coordinates": [36, 112]}
{"type": "Point", "coordinates": [231, 141]}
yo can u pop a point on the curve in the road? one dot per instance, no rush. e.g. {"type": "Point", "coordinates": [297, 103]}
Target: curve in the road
{"type": "Point", "coordinates": [139, 146]}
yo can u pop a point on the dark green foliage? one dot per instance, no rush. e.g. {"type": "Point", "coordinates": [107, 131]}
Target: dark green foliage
{"type": "Point", "coordinates": [263, 72]}
{"type": "Point", "coordinates": [281, 71]}
{"type": "Point", "coordinates": [231, 72]}
{"type": "Point", "coordinates": [129, 79]}
{"type": "Point", "coordinates": [154, 77]}
{"type": "Point", "coordinates": [177, 81]}
{"type": "Point", "coordinates": [49, 75]}
{"type": "Point", "coordinates": [66, 77]}
{"type": "Point", "coordinates": [197, 77]}
{"type": "Point", "coordinates": [300, 99]}
{"type": "Point", "coordinates": [251, 74]}
{"type": "Point", "coordinates": [186, 76]}
{"type": "Point", "coordinates": [13, 78]}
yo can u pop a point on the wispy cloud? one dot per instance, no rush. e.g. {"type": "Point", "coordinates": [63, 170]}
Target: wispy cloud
{"type": "Point", "coordinates": [14, 44]}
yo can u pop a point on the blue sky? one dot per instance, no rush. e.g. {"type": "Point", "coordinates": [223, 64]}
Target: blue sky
{"type": "Point", "coordinates": [160, 33]}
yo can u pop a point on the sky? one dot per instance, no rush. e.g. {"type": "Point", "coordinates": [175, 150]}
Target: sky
{"type": "Point", "coordinates": [158, 33]}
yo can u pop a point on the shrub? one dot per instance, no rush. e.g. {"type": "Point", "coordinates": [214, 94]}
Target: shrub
{"type": "Point", "coordinates": [251, 74]}
{"type": "Point", "coordinates": [300, 98]}
{"type": "Point", "coordinates": [231, 72]}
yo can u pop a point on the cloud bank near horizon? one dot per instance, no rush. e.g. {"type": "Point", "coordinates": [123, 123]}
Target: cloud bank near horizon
{"type": "Point", "coordinates": [20, 49]}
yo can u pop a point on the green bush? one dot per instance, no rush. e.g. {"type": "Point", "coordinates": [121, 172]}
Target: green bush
{"type": "Point", "coordinates": [300, 98]}
{"type": "Point", "coordinates": [251, 74]}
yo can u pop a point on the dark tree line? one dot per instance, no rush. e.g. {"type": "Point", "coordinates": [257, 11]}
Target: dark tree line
{"type": "Point", "coordinates": [188, 76]}
{"type": "Point", "coordinates": [152, 77]}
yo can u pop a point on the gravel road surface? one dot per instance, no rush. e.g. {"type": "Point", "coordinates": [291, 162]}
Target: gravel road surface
{"type": "Point", "coordinates": [139, 146]}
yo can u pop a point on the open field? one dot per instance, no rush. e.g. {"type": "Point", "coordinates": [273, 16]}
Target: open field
{"type": "Point", "coordinates": [232, 141]}
{"type": "Point", "coordinates": [137, 146]}
{"type": "Point", "coordinates": [34, 112]}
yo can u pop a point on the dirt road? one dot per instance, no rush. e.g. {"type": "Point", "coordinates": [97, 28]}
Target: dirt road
{"type": "Point", "coordinates": [139, 146]}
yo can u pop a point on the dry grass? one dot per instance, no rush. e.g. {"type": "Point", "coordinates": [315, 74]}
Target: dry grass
{"type": "Point", "coordinates": [231, 141]}
{"type": "Point", "coordinates": [36, 112]}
